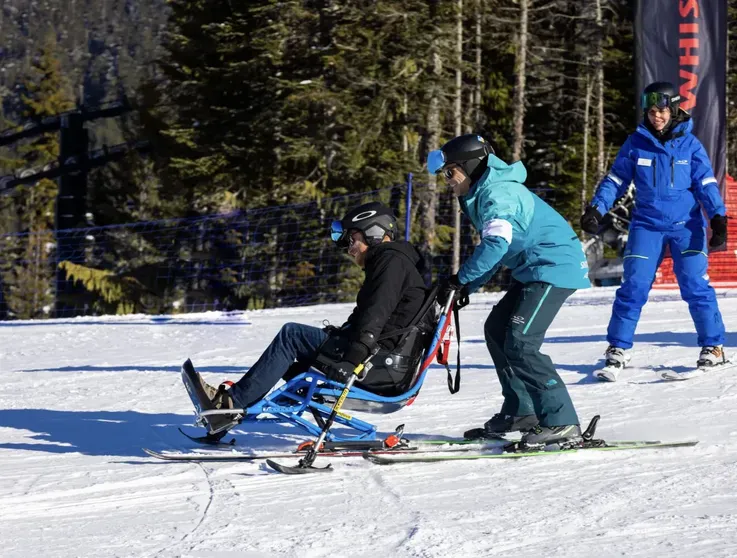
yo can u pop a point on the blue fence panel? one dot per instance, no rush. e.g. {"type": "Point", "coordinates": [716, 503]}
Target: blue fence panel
{"type": "Point", "coordinates": [267, 257]}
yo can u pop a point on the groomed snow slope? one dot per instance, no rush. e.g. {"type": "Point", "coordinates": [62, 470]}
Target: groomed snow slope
{"type": "Point", "coordinates": [79, 398]}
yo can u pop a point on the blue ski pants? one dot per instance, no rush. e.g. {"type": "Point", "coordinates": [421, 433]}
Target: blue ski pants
{"type": "Point", "coordinates": [643, 255]}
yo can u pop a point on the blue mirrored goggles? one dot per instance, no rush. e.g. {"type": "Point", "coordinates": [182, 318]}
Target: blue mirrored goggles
{"type": "Point", "coordinates": [338, 234]}
{"type": "Point", "coordinates": [435, 161]}
{"type": "Point", "coordinates": [660, 100]}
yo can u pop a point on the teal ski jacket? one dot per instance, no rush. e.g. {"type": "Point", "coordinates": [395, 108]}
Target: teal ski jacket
{"type": "Point", "coordinates": [519, 231]}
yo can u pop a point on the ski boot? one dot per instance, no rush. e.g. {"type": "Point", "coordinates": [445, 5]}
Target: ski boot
{"type": "Point", "coordinates": [219, 399]}
{"type": "Point", "coordinates": [711, 356]}
{"type": "Point", "coordinates": [208, 398]}
{"type": "Point", "coordinates": [552, 437]}
{"type": "Point", "coordinates": [616, 360]}
{"type": "Point", "coordinates": [497, 426]}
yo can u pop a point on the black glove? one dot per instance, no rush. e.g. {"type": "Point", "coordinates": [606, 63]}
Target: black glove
{"type": "Point", "coordinates": [590, 220]}
{"type": "Point", "coordinates": [718, 231]}
{"type": "Point", "coordinates": [340, 371]}
{"type": "Point", "coordinates": [453, 284]}
{"type": "Point", "coordinates": [353, 355]}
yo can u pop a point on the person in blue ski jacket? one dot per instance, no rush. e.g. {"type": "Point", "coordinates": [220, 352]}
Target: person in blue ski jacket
{"type": "Point", "coordinates": [673, 180]}
{"type": "Point", "coordinates": [521, 232]}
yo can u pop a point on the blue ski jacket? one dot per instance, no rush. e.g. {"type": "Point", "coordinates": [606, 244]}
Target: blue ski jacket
{"type": "Point", "coordinates": [670, 179]}
{"type": "Point", "coordinates": [520, 231]}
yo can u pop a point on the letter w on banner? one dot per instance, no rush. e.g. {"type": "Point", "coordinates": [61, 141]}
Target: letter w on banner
{"type": "Point", "coordinates": [685, 42]}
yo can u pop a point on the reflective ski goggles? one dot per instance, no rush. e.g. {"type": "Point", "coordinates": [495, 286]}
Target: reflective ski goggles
{"type": "Point", "coordinates": [338, 234]}
{"type": "Point", "coordinates": [660, 100]}
{"type": "Point", "coordinates": [435, 161]}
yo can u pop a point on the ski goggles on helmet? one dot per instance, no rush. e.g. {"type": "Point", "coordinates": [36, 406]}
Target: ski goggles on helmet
{"type": "Point", "coordinates": [660, 100]}
{"type": "Point", "coordinates": [435, 161]}
{"type": "Point", "coordinates": [338, 234]}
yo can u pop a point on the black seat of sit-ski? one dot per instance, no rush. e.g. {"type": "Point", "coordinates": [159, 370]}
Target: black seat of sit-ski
{"type": "Point", "coordinates": [395, 372]}
{"type": "Point", "coordinates": [407, 356]}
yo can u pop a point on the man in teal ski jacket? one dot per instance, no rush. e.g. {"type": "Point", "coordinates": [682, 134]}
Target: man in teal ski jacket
{"type": "Point", "coordinates": [521, 232]}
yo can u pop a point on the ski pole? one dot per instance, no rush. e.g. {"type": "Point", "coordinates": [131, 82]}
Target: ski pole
{"type": "Point", "coordinates": [309, 459]}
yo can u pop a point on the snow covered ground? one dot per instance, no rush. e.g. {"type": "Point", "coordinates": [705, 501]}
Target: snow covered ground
{"type": "Point", "coordinates": [79, 398]}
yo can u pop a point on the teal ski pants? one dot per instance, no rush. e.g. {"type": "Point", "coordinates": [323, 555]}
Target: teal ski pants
{"type": "Point", "coordinates": [514, 332]}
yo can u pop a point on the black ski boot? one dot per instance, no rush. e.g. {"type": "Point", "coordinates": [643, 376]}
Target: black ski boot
{"type": "Point", "coordinates": [497, 426]}
{"type": "Point", "coordinates": [552, 437]}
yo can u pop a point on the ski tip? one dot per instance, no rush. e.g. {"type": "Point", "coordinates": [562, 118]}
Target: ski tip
{"type": "Point", "coordinates": [156, 454]}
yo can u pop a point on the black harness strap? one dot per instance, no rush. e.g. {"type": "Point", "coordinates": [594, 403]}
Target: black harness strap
{"type": "Point", "coordinates": [454, 384]}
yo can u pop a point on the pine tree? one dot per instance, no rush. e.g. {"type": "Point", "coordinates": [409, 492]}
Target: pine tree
{"type": "Point", "coordinates": [29, 280]}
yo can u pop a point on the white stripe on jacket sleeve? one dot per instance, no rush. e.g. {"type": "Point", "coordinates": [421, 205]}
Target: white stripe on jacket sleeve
{"type": "Point", "coordinates": [498, 227]}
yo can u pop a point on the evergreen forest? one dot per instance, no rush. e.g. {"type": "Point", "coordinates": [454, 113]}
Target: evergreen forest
{"type": "Point", "coordinates": [267, 118]}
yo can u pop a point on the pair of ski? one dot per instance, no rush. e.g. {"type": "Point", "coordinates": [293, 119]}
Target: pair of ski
{"type": "Point", "coordinates": [417, 454]}
{"type": "Point", "coordinates": [423, 451]}
{"type": "Point", "coordinates": [668, 373]}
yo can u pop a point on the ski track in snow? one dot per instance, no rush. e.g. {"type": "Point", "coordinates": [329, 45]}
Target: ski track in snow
{"type": "Point", "coordinates": [79, 398]}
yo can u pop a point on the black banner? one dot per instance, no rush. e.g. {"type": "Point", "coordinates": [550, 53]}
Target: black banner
{"type": "Point", "coordinates": [685, 42]}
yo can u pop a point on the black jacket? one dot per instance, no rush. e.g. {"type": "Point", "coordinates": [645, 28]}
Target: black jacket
{"type": "Point", "coordinates": [391, 295]}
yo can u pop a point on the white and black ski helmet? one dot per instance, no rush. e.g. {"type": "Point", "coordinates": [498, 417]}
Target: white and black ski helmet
{"type": "Point", "coordinates": [373, 219]}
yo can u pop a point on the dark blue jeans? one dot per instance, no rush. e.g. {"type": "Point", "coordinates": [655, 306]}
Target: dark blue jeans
{"type": "Point", "coordinates": [293, 342]}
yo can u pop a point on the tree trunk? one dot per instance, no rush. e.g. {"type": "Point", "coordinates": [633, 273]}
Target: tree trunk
{"type": "Point", "coordinates": [600, 169]}
{"type": "Point", "coordinates": [586, 118]}
{"type": "Point", "coordinates": [458, 117]}
{"type": "Point", "coordinates": [520, 66]}
{"type": "Point", "coordinates": [430, 197]}
{"type": "Point", "coordinates": [477, 86]}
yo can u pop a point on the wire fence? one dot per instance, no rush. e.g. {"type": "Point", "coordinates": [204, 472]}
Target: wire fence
{"type": "Point", "coordinates": [261, 258]}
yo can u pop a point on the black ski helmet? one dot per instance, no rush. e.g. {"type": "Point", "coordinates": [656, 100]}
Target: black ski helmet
{"type": "Point", "coordinates": [661, 94]}
{"type": "Point", "coordinates": [373, 219]}
{"type": "Point", "coordinates": [468, 151]}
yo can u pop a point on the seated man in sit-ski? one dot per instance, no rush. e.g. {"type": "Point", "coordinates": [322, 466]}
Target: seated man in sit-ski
{"type": "Point", "coordinates": [392, 293]}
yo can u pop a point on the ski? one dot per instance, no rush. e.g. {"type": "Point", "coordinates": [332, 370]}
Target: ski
{"type": "Point", "coordinates": [235, 455]}
{"type": "Point", "coordinates": [610, 446]}
{"type": "Point", "coordinates": [671, 375]}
